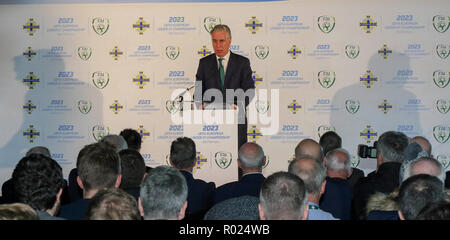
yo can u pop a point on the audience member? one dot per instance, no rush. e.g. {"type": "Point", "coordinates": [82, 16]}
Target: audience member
{"type": "Point", "coordinates": [163, 194]}
{"type": "Point", "coordinates": [338, 195]}
{"type": "Point", "coordinates": [112, 204]}
{"type": "Point", "coordinates": [17, 211]}
{"type": "Point", "coordinates": [38, 181]}
{"type": "Point", "coordinates": [439, 210]}
{"type": "Point", "coordinates": [237, 208]}
{"type": "Point", "coordinates": [75, 192]}
{"type": "Point", "coordinates": [385, 179]}
{"type": "Point", "coordinates": [313, 175]}
{"type": "Point", "coordinates": [384, 206]}
{"type": "Point", "coordinates": [283, 197]}
{"type": "Point", "coordinates": [424, 165]}
{"type": "Point", "coordinates": [416, 192]}
{"type": "Point", "coordinates": [200, 194]}
{"type": "Point", "coordinates": [133, 138]}
{"type": "Point", "coordinates": [309, 148]}
{"type": "Point", "coordinates": [330, 141]}
{"type": "Point", "coordinates": [98, 167]}
{"type": "Point", "coordinates": [424, 144]}
{"type": "Point", "coordinates": [251, 159]}
{"type": "Point", "coordinates": [133, 171]}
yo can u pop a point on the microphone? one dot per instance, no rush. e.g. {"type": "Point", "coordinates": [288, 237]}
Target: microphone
{"type": "Point", "coordinates": [180, 96]}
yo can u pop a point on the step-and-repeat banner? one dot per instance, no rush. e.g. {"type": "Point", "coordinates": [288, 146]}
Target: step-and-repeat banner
{"type": "Point", "coordinates": [72, 73]}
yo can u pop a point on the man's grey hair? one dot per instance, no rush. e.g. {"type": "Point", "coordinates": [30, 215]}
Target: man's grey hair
{"type": "Point", "coordinates": [283, 197]}
{"type": "Point", "coordinates": [116, 140]}
{"type": "Point", "coordinates": [407, 169]}
{"type": "Point", "coordinates": [222, 28]}
{"type": "Point", "coordinates": [312, 177]}
{"type": "Point", "coordinates": [251, 159]}
{"type": "Point", "coordinates": [391, 145]}
{"type": "Point", "coordinates": [163, 193]}
{"type": "Point", "coordinates": [337, 164]}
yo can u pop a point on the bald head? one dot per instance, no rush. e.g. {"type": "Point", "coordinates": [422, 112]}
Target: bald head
{"type": "Point", "coordinates": [338, 160]}
{"type": "Point", "coordinates": [309, 148]}
{"type": "Point", "coordinates": [251, 156]}
{"type": "Point", "coordinates": [423, 142]}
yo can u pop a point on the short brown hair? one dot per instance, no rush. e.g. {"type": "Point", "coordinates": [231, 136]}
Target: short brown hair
{"type": "Point", "coordinates": [112, 204]}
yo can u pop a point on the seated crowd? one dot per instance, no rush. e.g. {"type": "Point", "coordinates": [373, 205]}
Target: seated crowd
{"type": "Point", "coordinates": [111, 182]}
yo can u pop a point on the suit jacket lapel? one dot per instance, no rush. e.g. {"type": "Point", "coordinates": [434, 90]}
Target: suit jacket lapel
{"type": "Point", "coordinates": [230, 70]}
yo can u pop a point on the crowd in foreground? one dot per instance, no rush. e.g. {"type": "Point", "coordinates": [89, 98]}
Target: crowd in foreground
{"type": "Point", "coordinates": [111, 182]}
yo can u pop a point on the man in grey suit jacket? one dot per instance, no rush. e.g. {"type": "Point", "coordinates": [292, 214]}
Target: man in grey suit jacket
{"type": "Point", "coordinates": [225, 77]}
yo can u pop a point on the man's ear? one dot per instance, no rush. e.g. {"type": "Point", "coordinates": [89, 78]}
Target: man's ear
{"type": "Point", "coordinates": [80, 183]}
{"type": "Point", "coordinates": [305, 212]}
{"type": "Point", "coordinates": [400, 215]}
{"type": "Point", "coordinates": [141, 209]}
{"type": "Point", "coordinates": [183, 210]}
{"type": "Point", "coordinates": [118, 181]}
{"type": "Point", "coordinates": [322, 188]}
{"type": "Point", "coordinates": [261, 212]}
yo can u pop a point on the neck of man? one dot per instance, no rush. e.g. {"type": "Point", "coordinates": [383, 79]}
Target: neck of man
{"type": "Point", "coordinates": [246, 171]}
{"type": "Point", "coordinates": [337, 174]}
{"type": "Point", "coordinates": [313, 198]}
{"type": "Point", "coordinates": [187, 169]}
{"type": "Point", "coordinates": [89, 194]}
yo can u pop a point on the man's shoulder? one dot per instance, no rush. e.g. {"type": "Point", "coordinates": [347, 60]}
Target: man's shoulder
{"type": "Point", "coordinates": [238, 57]}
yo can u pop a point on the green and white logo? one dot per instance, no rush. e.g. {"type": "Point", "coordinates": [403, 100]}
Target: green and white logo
{"type": "Point", "coordinates": [326, 78]}
{"type": "Point", "coordinates": [444, 160]}
{"type": "Point", "coordinates": [100, 25]}
{"type": "Point", "coordinates": [352, 105]}
{"type": "Point", "coordinates": [355, 161]}
{"type": "Point", "coordinates": [441, 78]}
{"type": "Point", "coordinates": [262, 51]}
{"type": "Point", "coordinates": [223, 159]}
{"type": "Point", "coordinates": [262, 106]}
{"type": "Point", "coordinates": [85, 53]}
{"type": "Point", "coordinates": [326, 23]}
{"type": "Point", "coordinates": [441, 23]}
{"type": "Point", "coordinates": [441, 133]}
{"type": "Point", "coordinates": [325, 128]}
{"type": "Point", "coordinates": [173, 107]}
{"type": "Point", "coordinates": [172, 52]}
{"type": "Point", "coordinates": [443, 50]}
{"type": "Point", "coordinates": [84, 106]}
{"type": "Point", "coordinates": [443, 106]}
{"type": "Point", "coordinates": [211, 22]}
{"type": "Point", "coordinates": [100, 79]}
{"type": "Point", "coordinates": [352, 51]}
{"type": "Point", "coordinates": [99, 131]}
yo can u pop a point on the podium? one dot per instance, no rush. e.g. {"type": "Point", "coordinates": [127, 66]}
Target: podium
{"type": "Point", "coordinates": [214, 131]}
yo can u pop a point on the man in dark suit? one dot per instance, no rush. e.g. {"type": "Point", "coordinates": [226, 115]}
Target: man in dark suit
{"type": "Point", "coordinates": [251, 159]}
{"type": "Point", "coordinates": [225, 77]}
{"type": "Point", "coordinates": [200, 193]}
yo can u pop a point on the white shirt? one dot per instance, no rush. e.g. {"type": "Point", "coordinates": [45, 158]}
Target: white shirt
{"type": "Point", "coordinates": [224, 62]}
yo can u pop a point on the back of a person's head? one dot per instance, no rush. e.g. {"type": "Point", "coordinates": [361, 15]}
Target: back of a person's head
{"type": "Point", "coordinates": [133, 168]}
{"type": "Point", "coordinates": [112, 204]}
{"type": "Point", "coordinates": [423, 165]}
{"type": "Point", "coordinates": [251, 156]}
{"type": "Point", "coordinates": [435, 211]}
{"type": "Point", "coordinates": [338, 160]}
{"type": "Point", "coordinates": [132, 137]}
{"type": "Point", "coordinates": [424, 143]}
{"type": "Point", "coordinates": [17, 211]}
{"type": "Point", "coordinates": [283, 196]}
{"type": "Point", "coordinates": [416, 192]}
{"type": "Point", "coordinates": [98, 166]}
{"type": "Point", "coordinates": [37, 179]}
{"type": "Point", "coordinates": [163, 193]}
{"type": "Point", "coordinates": [117, 141]}
{"type": "Point", "coordinates": [329, 141]}
{"type": "Point", "coordinates": [182, 153]}
{"type": "Point", "coordinates": [391, 145]}
{"type": "Point", "coordinates": [310, 171]}
{"type": "Point", "coordinates": [39, 150]}
{"type": "Point", "coordinates": [309, 148]}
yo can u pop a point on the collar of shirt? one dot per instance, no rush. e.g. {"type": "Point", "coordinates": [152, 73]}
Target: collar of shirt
{"type": "Point", "coordinates": [224, 61]}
